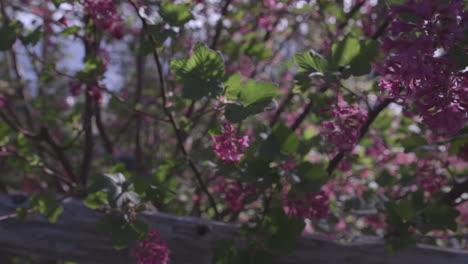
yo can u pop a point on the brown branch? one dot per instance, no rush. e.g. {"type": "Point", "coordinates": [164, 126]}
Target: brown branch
{"type": "Point", "coordinates": [140, 65]}
{"type": "Point", "coordinates": [102, 131]}
{"type": "Point", "coordinates": [350, 14]}
{"type": "Point", "coordinates": [59, 153]}
{"type": "Point", "coordinates": [177, 131]}
{"type": "Point", "coordinates": [219, 25]}
{"type": "Point", "coordinates": [179, 134]}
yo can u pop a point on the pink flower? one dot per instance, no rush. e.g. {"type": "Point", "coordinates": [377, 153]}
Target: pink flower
{"type": "Point", "coordinates": [344, 131]}
{"type": "Point", "coordinates": [75, 87]}
{"type": "Point", "coordinates": [430, 177]}
{"type": "Point", "coordinates": [266, 22]}
{"type": "Point", "coordinates": [462, 153]}
{"type": "Point", "coordinates": [288, 165]}
{"type": "Point", "coordinates": [152, 250]}
{"type": "Point", "coordinates": [269, 3]}
{"type": "Point", "coordinates": [376, 221]}
{"type": "Point", "coordinates": [2, 101]}
{"type": "Point", "coordinates": [234, 192]}
{"type": "Point", "coordinates": [63, 21]}
{"type": "Point", "coordinates": [416, 68]}
{"type": "Point", "coordinates": [105, 15]}
{"type": "Point", "coordinates": [228, 146]}
{"type": "Point", "coordinates": [307, 205]}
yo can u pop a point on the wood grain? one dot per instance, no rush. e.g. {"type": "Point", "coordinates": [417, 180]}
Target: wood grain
{"type": "Point", "coordinates": [75, 238]}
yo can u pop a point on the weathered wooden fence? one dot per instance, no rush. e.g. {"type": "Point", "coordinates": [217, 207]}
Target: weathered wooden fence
{"type": "Point", "coordinates": [75, 238]}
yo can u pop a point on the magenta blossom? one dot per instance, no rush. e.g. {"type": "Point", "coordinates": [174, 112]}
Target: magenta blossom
{"type": "Point", "coordinates": [417, 68]}
{"type": "Point", "coordinates": [2, 101]}
{"type": "Point", "coordinates": [307, 205]}
{"type": "Point", "coordinates": [234, 192]}
{"type": "Point", "coordinates": [229, 147]}
{"type": "Point", "coordinates": [430, 177]}
{"type": "Point", "coordinates": [105, 15]}
{"type": "Point", "coordinates": [344, 131]}
{"type": "Point", "coordinates": [152, 250]}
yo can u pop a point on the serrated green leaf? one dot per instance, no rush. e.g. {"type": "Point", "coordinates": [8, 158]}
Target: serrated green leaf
{"type": "Point", "coordinates": [95, 200]}
{"type": "Point", "coordinates": [201, 74]}
{"type": "Point", "coordinates": [284, 230]}
{"type": "Point", "coordinates": [254, 92]}
{"type": "Point", "coordinates": [345, 51]}
{"type": "Point", "coordinates": [46, 203]}
{"type": "Point", "coordinates": [236, 113]}
{"type": "Point", "coordinates": [281, 141]}
{"type": "Point", "coordinates": [311, 61]}
{"type": "Point", "coordinates": [233, 86]}
{"type": "Point", "coordinates": [312, 177]}
{"type": "Point", "coordinates": [175, 14]}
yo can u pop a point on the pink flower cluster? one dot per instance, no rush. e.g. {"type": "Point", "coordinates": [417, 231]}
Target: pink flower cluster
{"type": "Point", "coordinates": [308, 205]}
{"type": "Point", "coordinates": [345, 130]}
{"type": "Point", "coordinates": [2, 101]}
{"type": "Point", "coordinates": [418, 68]}
{"type": "Point", "coordinates": [430, 177]}
{"type": "Point", "coordinates": [229, 147]}
{"type": "Point", "coordinates": [95, 90]}
{"type": "Point", "coordinates": [234, 192]}
{"type": "Point", "coordinates": [105, 15]}
{"type": "Point", "coordinates": [152, 250]}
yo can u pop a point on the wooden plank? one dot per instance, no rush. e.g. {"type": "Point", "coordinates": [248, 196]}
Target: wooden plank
{"type": "Point", "coordinates": [75, 238]}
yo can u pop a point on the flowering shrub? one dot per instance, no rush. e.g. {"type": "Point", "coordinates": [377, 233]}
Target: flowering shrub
{"type": "Point", "coordinates": [152, 250]}
{"type": "Point", "coordinates": [338, 118]}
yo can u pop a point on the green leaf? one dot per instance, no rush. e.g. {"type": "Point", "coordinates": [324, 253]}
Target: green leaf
{"type": "Point", "coordinates": [345, 51]}
{"type": "Point", "coordinates": [281, 141]}
{"type": "Point", "coordinates": [233, 86]}
{"type": "Point", "coordinates": [413, 141]}
{"type": "Point", "coordinates": [399, 242]}
{"type": "Point", "coordinates": [225, 252]}
{"type": "Point", "coordinates": [311, 61]}
{"type": "Point", "coordinates": [119, 191]}
{"type": "Point", "coordinates": [236, 113]}
{"type": "Point", "coordinates": [70, 31]}
{"type": "Point", "coordinates": [258, 49]}
{"type": "Point", "coordinates": [21, 213]}
{"type": "Point", "coordinates": [253, 98]}
{"type": "Point", "coordinates": [175, 14]}
{"type": "Point", "coordinates": [8, 37]}
{"type": "Point", "coordinates": [122, 232]}
{"type": "Point", "coordinates": [95, 200]}
{"type": "Point", "coordinates": [46, 204]}
{"type": "Point", "coordinates": [406, 209]}
{"type": "Point", "coordinates": [312, 177]}
{"type": "Point", "coordinates": [439, 216]}
{"type": "Point", "coordinates": [361, 64]}
{"type": "Point", "coordinates": [254, 92]}
{"type": "Point", "coordinates": [158, 34]}
{"type": "Point", "coordinates": [201, 74]}
{"type": "Point", "coordinates": [33, 37]}
{"type": "Point", "coordinates": [283, 230]}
